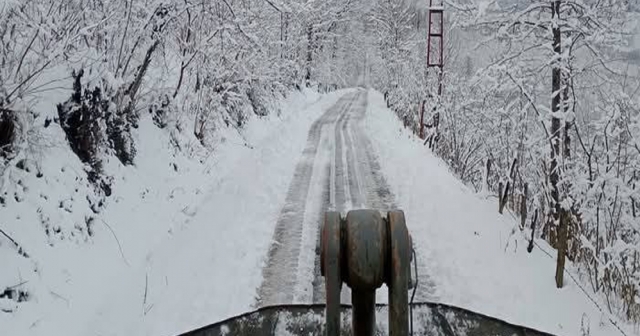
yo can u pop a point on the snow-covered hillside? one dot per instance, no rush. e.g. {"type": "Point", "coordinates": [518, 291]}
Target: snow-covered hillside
{"type": "Point", "coordinates": [147, 225]}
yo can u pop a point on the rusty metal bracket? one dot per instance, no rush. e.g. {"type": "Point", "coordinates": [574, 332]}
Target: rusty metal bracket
{"type": "Point", "coordinates": [366, 251]}
{"type": "Point", "coordinates": [330, 268]}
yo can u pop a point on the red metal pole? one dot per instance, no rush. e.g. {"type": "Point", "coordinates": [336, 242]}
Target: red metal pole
{"type": "Point", "coordinates": [437, 12]}
{"type": "Point", "coordinates": [421, 132]}
{"type": "Point", "coordinates": [441, 38]}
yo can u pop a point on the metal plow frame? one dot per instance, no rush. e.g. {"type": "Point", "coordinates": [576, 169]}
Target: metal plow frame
{"type": "Point", "coordinates": [429, 319]}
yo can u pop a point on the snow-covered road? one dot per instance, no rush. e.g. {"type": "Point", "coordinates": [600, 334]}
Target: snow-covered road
{"type": "Point", "coordinates": [337, 171]}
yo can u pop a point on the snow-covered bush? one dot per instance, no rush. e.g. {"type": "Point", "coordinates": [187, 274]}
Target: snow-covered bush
{"type": "Point", "coordinates": [8, 131]}
{"type": "Point", "coordinates": [572, 157]}
{"type": "Point", "coordinates": [82, 118]}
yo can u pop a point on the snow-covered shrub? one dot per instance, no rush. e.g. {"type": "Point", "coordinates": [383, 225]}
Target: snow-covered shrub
{"type": "Point", "coordinates": [256, 99]}
{"type": "Point", "coordinates": [160, 108]}
{"type": "Point", "coordinates": [577, 154]}
{"type": "Point", "coordinates": [82, 119]}
{"type": "Point", "coordinates": [119, 125]}
{"type": "Point", "coordinates": [8, 130]}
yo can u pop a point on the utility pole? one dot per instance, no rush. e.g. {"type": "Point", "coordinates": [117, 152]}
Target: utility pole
{"type": "Point", "coordinates": [435, 49]}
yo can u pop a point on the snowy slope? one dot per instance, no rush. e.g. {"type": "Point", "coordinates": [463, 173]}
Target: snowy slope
{"type": "Point", "coordinates": [172, 228]}
{"type": "Point", "coordinates": [476, 258]}
{"type": "Point", "coordinates": [210, 269]}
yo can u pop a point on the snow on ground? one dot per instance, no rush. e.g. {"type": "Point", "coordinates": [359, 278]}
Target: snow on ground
{"type": "Point", "coordinates": [179, 244]}
{"type": "Point", "coordinates": [182, 244]}
{"type": "Point", "coordinates": [475, 258]}
{"type": "Point", "coordinates": [209, 270]}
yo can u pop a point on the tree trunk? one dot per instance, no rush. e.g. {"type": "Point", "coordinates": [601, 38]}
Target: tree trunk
{"type": "Point", "coordinates": [504, 194]}
{"type": "Point", "coordinates": [633, 200]}
{"type": "Point", "coordinates": [523, 206]}
{"type": "Point", "coordinates": [554, 177]}
{"type": "Point", "coordinates": [533, 231]}
{"type": "Point", "coordinates": [142, 70]}
{"type": "Point", "coordinates": [500, 192]}
{"type": "Point", "coordinates": [486, 177]}
{"type": "Point", "coordinates": [307, 77]}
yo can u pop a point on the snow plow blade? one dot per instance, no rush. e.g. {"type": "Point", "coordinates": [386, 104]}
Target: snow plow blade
{"type": "Point", "coordinates": [429, 319]}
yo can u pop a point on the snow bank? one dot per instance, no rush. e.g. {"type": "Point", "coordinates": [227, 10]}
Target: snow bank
{"type": "Point", "coordinates": [209, 268]}
{"type": "Point", "coordinates": [476, 258]}
{"type": "Point", "coordinates": [163, 255]}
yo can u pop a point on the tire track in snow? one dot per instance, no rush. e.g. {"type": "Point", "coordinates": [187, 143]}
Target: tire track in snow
{"type": "Point", "coordinates": [357, 182]}
{"type": "Point", "coordinates": [339, 198]}
{"type": "Point", "coordinates": [280, 274]}
{"type": "Point", "coordinates": [379, 196]}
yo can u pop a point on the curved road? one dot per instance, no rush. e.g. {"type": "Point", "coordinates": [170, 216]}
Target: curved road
{"type": "Point", "coordinates": [336, 171]}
